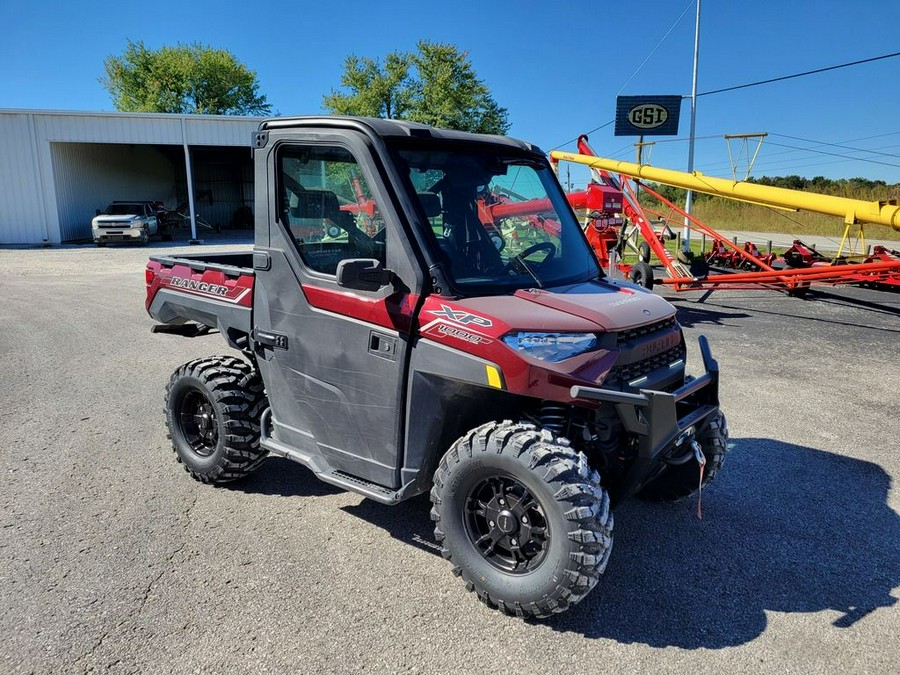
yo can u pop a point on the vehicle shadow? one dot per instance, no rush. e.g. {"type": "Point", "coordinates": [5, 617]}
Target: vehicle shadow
{"type": "Point", "coordinates": [689, 316]}
{"type": "Point", "coordinates": [785, 528]}
{"type": "Point", "coordinates": [284, 478]}
{"type": "Point", "coordinates": [409, 521]}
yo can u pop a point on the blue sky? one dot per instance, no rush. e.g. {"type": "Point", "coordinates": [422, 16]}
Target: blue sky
{"type": "Point", "coordinates": [556, 66]}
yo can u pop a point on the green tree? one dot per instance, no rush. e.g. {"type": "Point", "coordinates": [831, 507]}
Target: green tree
{"type": "Point", "coordinates": [435, 85]}
{"type": "Point", "coordinates": [187, 79]}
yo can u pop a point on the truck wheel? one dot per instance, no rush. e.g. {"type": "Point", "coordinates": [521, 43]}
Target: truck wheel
{"type": "Point", "coordinates": [678, 482]}
{"type": "Point", "coordinates": [213, 406]}
{"type": "Point", "coordinates": [522, 518]}
{"type": "Point", "coordinates": [642, 274]}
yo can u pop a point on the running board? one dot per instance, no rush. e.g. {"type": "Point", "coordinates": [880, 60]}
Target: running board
{"type": "Point", "coordinates": [322, 469]}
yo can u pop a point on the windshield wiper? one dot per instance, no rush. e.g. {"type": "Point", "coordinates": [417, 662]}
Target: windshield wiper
{"type": "Point", "coordinates": [524, 264]}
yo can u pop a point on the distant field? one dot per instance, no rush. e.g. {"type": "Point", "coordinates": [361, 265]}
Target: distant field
{"type": "Point", "coordinates": [727, 214]}
{"type": "Point", "coordinates": [730, 215]}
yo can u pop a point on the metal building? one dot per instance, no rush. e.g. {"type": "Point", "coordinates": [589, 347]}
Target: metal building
{"type": "Point", "coordinates": [58, 168]}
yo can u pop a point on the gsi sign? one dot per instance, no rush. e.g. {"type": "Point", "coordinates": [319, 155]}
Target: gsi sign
{"type": "Point", "coordinates": [647, 115]}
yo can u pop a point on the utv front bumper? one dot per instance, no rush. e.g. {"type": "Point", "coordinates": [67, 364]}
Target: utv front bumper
{"type": "Point", "coordinates": [664, 423]}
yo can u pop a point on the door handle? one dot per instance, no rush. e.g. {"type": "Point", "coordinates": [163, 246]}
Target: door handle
{"type": "Point", "coordinates": [382, 345]}
{"type": "Point", "coordinates": [270, 339]}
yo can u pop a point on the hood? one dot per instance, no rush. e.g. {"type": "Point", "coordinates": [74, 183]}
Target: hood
{"type": "Point", "coordinates": [116, 219]}
{"type": "Point", "coordinates": [588, 307]}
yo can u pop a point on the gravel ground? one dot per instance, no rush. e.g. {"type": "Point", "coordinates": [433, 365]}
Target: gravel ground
{"type": "Point", "coordinates": [113, 559]}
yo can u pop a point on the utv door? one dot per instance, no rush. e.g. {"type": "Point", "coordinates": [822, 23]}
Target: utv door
{"type": "Point", "coordinates": [333, 359]}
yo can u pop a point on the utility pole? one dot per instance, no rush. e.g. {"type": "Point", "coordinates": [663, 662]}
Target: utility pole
{"type": "Point", "coordinates": [686, 239]}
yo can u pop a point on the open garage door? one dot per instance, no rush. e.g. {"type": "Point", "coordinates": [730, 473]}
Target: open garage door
{"type": "Point", "coordinates": [88, 176]}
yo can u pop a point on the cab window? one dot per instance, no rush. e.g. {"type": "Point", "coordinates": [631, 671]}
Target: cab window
{"type": "Point", "coordinates": [326, 205]}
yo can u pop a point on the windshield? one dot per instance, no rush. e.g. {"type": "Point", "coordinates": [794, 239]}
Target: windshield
{"type": "Point", "coordinates": [499, 222]}
{"type": "Point", "coordinates": [124, 209]}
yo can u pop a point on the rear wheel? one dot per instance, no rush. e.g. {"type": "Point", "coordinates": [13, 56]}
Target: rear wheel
{"type": "Point", "coordinates": [522, 518]}
{"type": "Point", "coordinates": [683, 480]}
{"type": "Point", "coordinates": [213, 407]}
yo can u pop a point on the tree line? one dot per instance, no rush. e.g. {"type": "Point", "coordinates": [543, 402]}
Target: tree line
{"type": "Point", "coordinates": [436, 84]}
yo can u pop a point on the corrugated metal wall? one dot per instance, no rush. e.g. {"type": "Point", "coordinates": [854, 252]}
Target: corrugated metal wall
{"type": "Point", "coordinates": [90, 175]}
{"type": "Point", "coordinates": [223, 183]}
{"type": "Point", "coordinates": [22, 217]}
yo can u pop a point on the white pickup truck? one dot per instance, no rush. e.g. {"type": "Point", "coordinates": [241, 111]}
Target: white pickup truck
{"type": "Point", "coordinates": [128, 221]}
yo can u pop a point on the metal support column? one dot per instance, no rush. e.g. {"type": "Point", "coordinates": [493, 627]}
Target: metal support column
{"type": "Point", "coordinates": [688, 200]}
{"type": "Point", "coordinates": [190, 183]}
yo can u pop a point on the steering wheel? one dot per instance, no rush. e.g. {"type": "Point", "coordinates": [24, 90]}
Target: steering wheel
{"type": "Point", "coordinates": [534, 248]}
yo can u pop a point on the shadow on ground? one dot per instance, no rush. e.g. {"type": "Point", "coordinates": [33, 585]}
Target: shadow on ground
{"type": "Point", "coordinates": [785, 529]}
{"type": "Point", "coordinates": [692, 315]}
{"type": "Point", "coordinates": [282, 477]}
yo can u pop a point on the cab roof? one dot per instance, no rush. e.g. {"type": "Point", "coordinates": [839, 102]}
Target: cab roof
{"type": "Point", "coordinates": [393, 129]}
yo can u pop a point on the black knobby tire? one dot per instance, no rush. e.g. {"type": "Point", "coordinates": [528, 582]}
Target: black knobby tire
{"type": "Point", "coordinates": [213, 408]}
{"type": "Point", "coordinates": [683, 480]}
{"type": "Point", "coordinates": [644, 251]}
{"type": "Point", "coordinates": [552, 539]}
{"type": "Point", "coordinates": [642, 274]}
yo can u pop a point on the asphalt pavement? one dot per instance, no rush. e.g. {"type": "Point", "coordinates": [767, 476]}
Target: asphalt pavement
{"type": "Point", "coordinates": [114, 560]}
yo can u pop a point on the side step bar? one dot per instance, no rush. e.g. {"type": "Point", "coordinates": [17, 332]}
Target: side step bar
{"type": "Point", "coordinates": [322, 469]}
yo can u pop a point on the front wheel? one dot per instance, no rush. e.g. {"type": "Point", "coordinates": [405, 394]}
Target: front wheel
{"type": "Point", "coordinates": [522, 518]}
{"type": "Point", "coordinates": [213, 408]}
{"type": "Point", "coordinates": [683, 480]}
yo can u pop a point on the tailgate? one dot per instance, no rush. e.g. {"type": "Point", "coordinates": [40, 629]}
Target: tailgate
{"type": "Point", "coordinates": [214, 294]}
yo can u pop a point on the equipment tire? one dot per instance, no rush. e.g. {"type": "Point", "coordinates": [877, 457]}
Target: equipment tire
{"type": "Point", "coordinates": [100, 244]}
{"type": "Point", "coordinates": [642, 274]}
{"type": "Point", "coordinates": [644, 251]}
{"type": "Point", "coordinates": [560, 521]}
{"type": "Point", "coordinates": [684, 257]}
{"type": "Point", "coordinates": [680, 481]}
{"type": "Point", "coordinates": [213, 407]}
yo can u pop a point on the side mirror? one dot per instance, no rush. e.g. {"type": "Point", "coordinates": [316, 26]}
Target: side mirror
{"type": "Point", "coordinates": [97, 212]}
{"type": "Point", "coordinates": [363, 274]}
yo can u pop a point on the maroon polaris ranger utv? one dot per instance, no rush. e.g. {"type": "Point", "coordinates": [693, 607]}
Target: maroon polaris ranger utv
{"type": "Point", "coordinates": [422, 313]}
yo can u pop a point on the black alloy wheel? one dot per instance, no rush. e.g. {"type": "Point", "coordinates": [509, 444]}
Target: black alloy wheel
{"type": "Point", "coordinates": [507, 525]}
{"type": "Point", "coordinates": [198, 423]}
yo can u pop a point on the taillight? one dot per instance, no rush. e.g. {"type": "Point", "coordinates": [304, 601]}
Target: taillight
{"type": "Point", "coordinates": [150, 275]}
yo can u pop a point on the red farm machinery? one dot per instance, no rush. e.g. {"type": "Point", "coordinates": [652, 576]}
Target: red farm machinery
{"type": "Point", "coordinates": [726, 264]}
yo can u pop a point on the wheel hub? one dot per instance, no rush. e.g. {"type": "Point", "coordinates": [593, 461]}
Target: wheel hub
{"type": "Point", "coordinates": [506, 524]}
{"type": "Point", "coordinates": [198, 423]}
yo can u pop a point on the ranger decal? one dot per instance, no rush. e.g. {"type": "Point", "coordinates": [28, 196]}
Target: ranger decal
{"type": "Point", "coordinates": [194, 285]}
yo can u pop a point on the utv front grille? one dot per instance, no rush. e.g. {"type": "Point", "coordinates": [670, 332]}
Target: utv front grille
{"type": "Point", "coordinates": [626, 336]}
{"type": "Point", "coordinates": [632, 371]}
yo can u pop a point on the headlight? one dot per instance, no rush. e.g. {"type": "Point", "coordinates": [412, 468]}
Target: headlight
{"type": "Point", "coordinates": [551, 347]}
